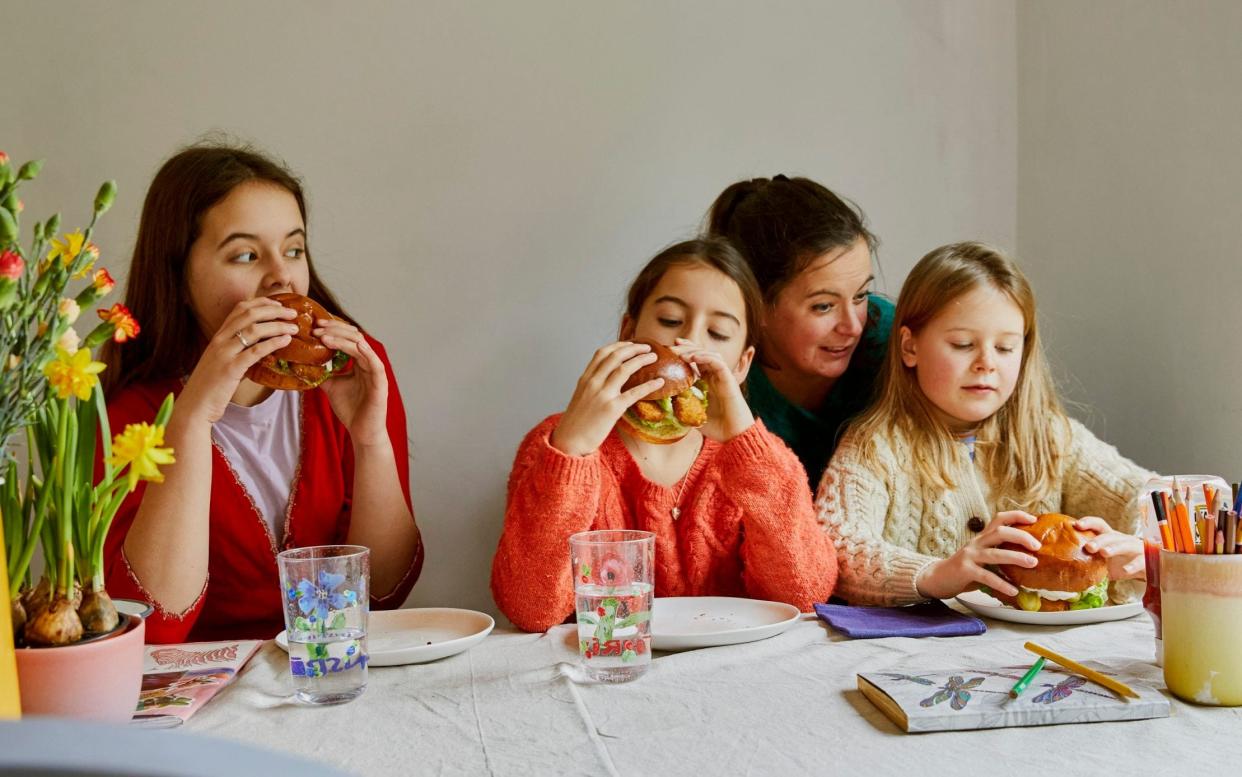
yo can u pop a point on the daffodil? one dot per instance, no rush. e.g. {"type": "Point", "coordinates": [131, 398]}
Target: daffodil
{"type": "Point", "coordinates": [69, 247]}
{"type": "Point", "coordinates": [139, 446]}
{"type": "Point", "coordinates": [73, 373]}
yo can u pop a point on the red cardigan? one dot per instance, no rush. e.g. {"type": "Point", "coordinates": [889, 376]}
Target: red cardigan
{"type": "Point", "coordinates": [747, 525]}
{"type": "Point", "coordinates": [241, 599]}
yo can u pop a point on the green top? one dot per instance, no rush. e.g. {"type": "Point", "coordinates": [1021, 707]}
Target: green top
{"type": "Point", "coordinates": [813, 435]}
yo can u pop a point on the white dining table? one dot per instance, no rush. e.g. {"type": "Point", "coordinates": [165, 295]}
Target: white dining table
{"type": "Point", "coordinates": [518, 704]}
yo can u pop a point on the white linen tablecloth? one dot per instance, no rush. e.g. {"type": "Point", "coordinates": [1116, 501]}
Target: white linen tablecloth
{"type": "Point", "coordinates": [515, 704]}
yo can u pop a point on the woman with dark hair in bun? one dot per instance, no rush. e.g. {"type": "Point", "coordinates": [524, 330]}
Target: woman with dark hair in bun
{"type": "Point", "coordinates": [824, 332]}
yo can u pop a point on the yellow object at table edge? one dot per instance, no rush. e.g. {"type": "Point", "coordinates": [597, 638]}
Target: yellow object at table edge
{"type": "Point", "coordinates": [1115, 686]}
{"type": "Point", "coordinates": [10, 699]}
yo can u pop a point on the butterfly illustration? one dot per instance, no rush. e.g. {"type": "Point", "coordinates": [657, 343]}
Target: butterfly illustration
{"type": "Point", "coordinates": [911, 678]}
{"type": "Point", "coordinates": [1061, 690]}
{"type": "Point", "coordinates": [955, 691]}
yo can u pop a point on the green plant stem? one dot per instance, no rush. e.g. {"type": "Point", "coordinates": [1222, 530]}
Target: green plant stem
{"type": "Point", "coordinates": [64, 521]}
{"type": "Point", "coordinates": [97, 531]}
{"type": "Point", "coordinates": [18, 573]}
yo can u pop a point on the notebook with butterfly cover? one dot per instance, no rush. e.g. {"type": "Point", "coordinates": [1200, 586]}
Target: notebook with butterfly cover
{"type": "Point", "coordinates": [962, 699]}
{"type": "Point", "coordinates": [178, 680]}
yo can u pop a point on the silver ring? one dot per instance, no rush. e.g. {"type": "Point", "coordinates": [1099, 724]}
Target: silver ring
{"type": "Point", "coordinates": [238, 335]}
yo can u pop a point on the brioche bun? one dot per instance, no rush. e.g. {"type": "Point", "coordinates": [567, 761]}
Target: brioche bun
{"type": "Point", "coordinates": [305, 362]}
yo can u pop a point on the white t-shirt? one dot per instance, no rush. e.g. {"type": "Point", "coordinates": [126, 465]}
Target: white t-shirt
{"type": "Point", "coordinates": [263, 444]}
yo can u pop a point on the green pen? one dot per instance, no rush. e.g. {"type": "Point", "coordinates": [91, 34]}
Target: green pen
{"type": "Point", "coordinates": [1017, 690]}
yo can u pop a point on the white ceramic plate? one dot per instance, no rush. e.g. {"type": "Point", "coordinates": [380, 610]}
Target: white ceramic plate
{"type": "Point", "coordinates": [688, 622]}
{"type": "Point", "coordinates": [415, 636]}
{"type": "Point", "coordinates": [133, 607]}
{"type": "Point", "coordinates": [988, 607]}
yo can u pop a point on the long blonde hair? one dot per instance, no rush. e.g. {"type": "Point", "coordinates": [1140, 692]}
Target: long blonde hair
{"type": "Point", "coordinates": [1020, 446]}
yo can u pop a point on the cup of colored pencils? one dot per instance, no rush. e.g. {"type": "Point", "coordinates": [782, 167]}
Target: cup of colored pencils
{"type": "Point", "coordinates": [1192, 525]}
{"type": "Point", "coordinates": [1171, 510]}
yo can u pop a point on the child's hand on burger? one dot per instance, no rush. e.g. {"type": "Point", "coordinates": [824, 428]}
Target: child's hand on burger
{"type": "Point", "coordinates": [253, 329]}
{"type": "Point", "coordinates": [968, 567]}
{"type": "Point", "coordinates": [360, 398]}
{"type": "Point", "coordinates": [598, 401]}
{"type": "Point", "coordinates": [1124, 552]}
{"type": "Point", "coordinates": [728, 414]}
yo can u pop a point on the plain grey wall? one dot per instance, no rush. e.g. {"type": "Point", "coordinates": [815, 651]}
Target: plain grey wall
{"type": "Point", "coordinates": [1128, 209]}
{"type": "Point", "coordinates": [485, 178]}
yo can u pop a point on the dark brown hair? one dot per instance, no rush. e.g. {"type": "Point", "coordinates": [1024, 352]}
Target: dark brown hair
{"type": "Point", "coordinates": [185, 188]}
{"type": "Point", "coordinates": [714, 252]}
{"type": "Point", "coordinates": [782, 224]}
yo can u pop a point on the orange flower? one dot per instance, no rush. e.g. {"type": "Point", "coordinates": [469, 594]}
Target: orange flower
{"type": "Point", "coordinates": [103, 282]}
{"type": "Point", "coordinates": [126, 325]}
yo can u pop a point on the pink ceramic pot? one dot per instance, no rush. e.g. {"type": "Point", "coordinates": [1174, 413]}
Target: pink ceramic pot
{"type": "Point", "coordinates": [96, 681]}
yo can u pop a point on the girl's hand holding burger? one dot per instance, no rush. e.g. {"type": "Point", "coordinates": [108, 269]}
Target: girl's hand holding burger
{"type": "Point", "coordinates": [255, 328]}
{"type": "Point", "coordinates": [359, 398]}
{"type": "Point", "coordinates": [599, 401]}
{"type": "Point", "coordinates": [1123, 552]}
{"type": "Point", "coordinates": [728, 413]}
{"type": "Point", "coordinates": [967, 568]}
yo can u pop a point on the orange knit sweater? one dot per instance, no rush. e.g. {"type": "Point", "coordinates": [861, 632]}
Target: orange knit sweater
{"type": "Point", "coordinates": [747, 525]}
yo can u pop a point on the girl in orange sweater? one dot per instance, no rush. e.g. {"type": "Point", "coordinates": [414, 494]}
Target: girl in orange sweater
{"type": "Point", "coordinates": [728, 503]}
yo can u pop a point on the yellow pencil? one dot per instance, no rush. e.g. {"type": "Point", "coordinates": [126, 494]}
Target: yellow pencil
{"type": "Point", "coordinates": [1120, 689]}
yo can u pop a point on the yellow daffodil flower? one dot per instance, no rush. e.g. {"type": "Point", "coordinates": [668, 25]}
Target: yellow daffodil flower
{"type": "Point", "coordinates": [139, 446]}
{"type": "Point", "coordinates": [73, 373]}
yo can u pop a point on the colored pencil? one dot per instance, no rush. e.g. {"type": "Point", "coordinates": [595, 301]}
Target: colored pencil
{"type": "Point", "coordinates": [1231, 531]}
{"type": "Point", "coordinates": [1209, 535]}
{"type": "Point", "coordinates": [1168, 534]}
{"type": "Point", "coordinates": [1020, 686]}
{"type": "Point", "coordinates": [1183, 519]}
{"type": "Point", "coordinates": [1119, 688]}
{"type": "Point", "coordinates": [1162, 522]}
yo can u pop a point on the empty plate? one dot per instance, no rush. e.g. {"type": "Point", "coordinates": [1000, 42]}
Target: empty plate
{"type": "Point", "coordinates": [415, 636]}
{"type": "Point", "coordinates": [688, 622]}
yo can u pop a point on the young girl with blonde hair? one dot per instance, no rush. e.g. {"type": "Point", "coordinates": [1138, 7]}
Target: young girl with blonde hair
{"type": "Point", "coordinates": [967, 440]}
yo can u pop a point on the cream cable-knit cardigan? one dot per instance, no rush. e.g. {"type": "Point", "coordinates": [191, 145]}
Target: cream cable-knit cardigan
{"type": "Point", "coordinates": [888, 525]}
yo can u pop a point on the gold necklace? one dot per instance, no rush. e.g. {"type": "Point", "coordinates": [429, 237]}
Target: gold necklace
{"type": "Point", "coordinates": [676, 511]}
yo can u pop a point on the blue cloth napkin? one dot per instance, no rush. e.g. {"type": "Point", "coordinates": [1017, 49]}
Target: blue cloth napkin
{"type": "Point", "coordinates": [928, 619]}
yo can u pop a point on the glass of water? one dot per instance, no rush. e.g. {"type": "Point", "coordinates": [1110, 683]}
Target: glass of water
{"type": "Point", "coordinates": [613, 571]}
{"type": "Point", "coordinates": [326, 593]}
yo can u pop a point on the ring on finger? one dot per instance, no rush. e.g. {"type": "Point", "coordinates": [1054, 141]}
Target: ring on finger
{"type": "Point", "coordinates": [238, 335]}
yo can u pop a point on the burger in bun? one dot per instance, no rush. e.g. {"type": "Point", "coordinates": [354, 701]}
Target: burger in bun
{"type": "Point", "coordinates": [1066, 577]}
{"type": "Point", "coordinates": [669, 413]}
{"type": "Point", "coordinates": [305, 362]}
